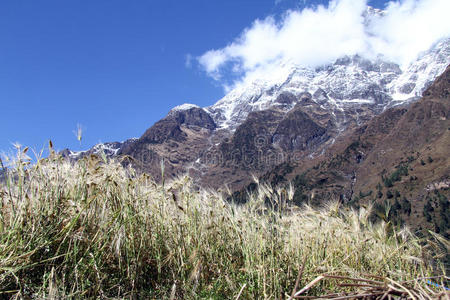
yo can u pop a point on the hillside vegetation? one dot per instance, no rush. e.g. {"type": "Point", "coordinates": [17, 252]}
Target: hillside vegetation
{"type": "Point", "coordinates": [95, 229]}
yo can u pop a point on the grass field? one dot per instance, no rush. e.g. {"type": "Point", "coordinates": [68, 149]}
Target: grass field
{"type": "Point", "coordinates": [95, 229]}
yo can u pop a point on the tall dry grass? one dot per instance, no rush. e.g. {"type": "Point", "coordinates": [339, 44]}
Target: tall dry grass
{"type": "Point", "coordinates": [95, 229]}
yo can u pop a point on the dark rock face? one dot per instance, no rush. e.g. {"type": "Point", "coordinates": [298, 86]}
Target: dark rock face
{"type": "Point", "coordinates": [169, 127]}
{"type": "Point", "coordinates": [266, 139]}
{"type": "Point", "coordinates": [251, 140]}
{"type": "Point", "coordinates": [297, 131]}
{"type": "Point", "coordinates": [261, 123]}
{"type": "Point", "coordinates": [286, 98]}
{"type": "Point", "coordinates": [195, 117]}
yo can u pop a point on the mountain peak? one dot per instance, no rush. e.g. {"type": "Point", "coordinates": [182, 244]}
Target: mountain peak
{"type": "Point", "coordinates": [350, 79]}
{"type": "Point", "coordinates": [184, 106]}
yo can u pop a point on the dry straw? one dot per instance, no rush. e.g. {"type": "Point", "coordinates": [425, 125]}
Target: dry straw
{"type": "Point", "coordinates": [95, 229]}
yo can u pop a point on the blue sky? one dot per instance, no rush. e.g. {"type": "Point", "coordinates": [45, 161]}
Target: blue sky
{"type": "Point", "coordinates": [115, 67]}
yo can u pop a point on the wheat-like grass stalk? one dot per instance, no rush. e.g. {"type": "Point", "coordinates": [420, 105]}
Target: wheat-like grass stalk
{"type": "Point", "coordinates": [96, 229]}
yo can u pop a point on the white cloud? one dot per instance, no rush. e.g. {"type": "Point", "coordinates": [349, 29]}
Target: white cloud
{"type": "Point", "coordinates": [314, 36]}
{"type": "Point", "coordinates": [212, 60]}
{"type": "Point", "coordinates": [410, 27]}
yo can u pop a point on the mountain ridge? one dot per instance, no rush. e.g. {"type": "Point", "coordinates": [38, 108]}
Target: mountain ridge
{"type": "Point", "coordinates": [309, 109]}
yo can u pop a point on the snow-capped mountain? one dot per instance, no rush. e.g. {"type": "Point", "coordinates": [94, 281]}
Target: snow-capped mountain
{"type": "Point", "coordinates": [109, 149]}
{"type": "Point", "coordinates": [293, 112]}
{"type": "Point", "coordinates": [184, 106]}
{"type": "Point", "coordinates": [349, 81]}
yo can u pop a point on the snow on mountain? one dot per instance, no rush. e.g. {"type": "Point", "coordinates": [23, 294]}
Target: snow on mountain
{"type": "Point", "coordinates": [109, 149]}
{"type": "Point", "coordinates": [421, 73]}
{"type": "Point", "coordinates": [184, 106]}
{"type": "Point", "coordinates": [350, 80]}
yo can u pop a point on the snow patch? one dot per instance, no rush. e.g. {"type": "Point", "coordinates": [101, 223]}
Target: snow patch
{"type": "Point", "coordinates": [110, 149]}
{"type": "Point", "coordinates": [184, 106]}
{"type": "Point", "coordinates": [362, 101]}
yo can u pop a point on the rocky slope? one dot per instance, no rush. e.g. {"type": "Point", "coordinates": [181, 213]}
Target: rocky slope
{"type": "Point", "coordinates": [398, 160]}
